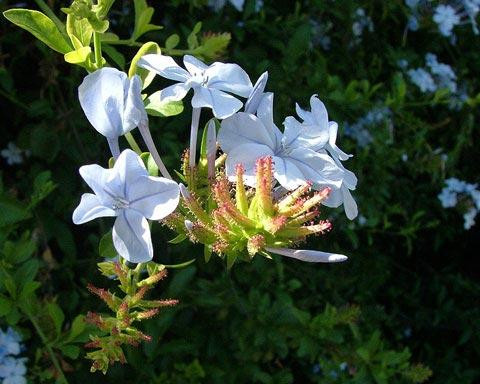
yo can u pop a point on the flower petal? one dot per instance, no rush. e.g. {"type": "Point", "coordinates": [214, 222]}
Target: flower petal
{"type": "Point", "coordinates": [222, 104]}
{"type": "Point", "coordinates": [193, 65]}
{"type": "Point", "coordinates": [128, 167]}
{"type": "Point", "coordinates": [301, 135]}
{"type": "Point", "coordinates": [174, 92]}
{"type": "Point", "coordinates": [131, 237]}
{"type": "Point", "coordinates": [287, 173]}
{"type": "Point", "coordinates": [309, 255]}
{"type": "Point", "coordinates": [319, 112]}
{"type": "Point", "coordinates": [229, 78]}
{"type": "Point", "coordinates": [265, 114]}
{"type": "Point", "coordinates": [134, 112]}
{"type": "Point", "coordinates": [154, 197]}
{"type": "Point", "coordinates": [334, 150]}
{"type": "Point", "coordinates": [97, 177]}
{"type": "Point", "coordinates": [165, 66]}
{"type": "Point", "coordinates": [243, 128]}
{"type": "Point", "coordinates": [101, 96]}
{"type": "Point", "coordinates": [257, 94]}
{"type": "Point", "coordinates": [246, 155]}
{"type": "Point", "coordinates": [90, 208]}
{"type": "Point", "coordinates": [317, 167]}
{"type": "Point", "coordinates": [349, 204]}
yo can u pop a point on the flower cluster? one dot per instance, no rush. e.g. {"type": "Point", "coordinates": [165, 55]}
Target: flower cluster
{"type": "Point", "coordinates": [446, 15]}
{"type": "Point", "coordinates": [305, 153]}
{"type": "Point", "coordinates": [436, 76]}
{"type": "Point", "coordinates": [12, 368]}
{"type": "Point", "coordinates": [361, 23]}
{"type": "Point", "coordinates": [458, 192]}
{"type": "Point", "coordinates": [360, 129]}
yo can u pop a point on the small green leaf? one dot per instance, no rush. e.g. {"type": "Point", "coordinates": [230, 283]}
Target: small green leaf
{"type": "Point", "coordinates": [192, 39]}
{"type": "Point", "coordinates": [145, 75]}
{"type": "Point", "coordinates": [143, 16]}
{"type": "Point", "coordinates": [12, 211]}
{"type": "Point", "coordinates": [5, 306]}
{"type": "Point", "coordinates": [40, 26]}
{"type": "Point", "coordinates": [106, 248]}
{"type": "Point", "coordinates": [77, 328]}
{"type": "Point", "coordinates": [181, 237]}
{"type": "Point", "coordinates": [172, 41]}
{"type": "Point", "coordinates": [71, 351]}
{"type": "Point", "coordinates": [56, 314]}
{"type": "Point", "coordinates": [207, 253]}
{"type": "Point", "coordinates": [80, 31]}
{"type": "Point", "coordinates": [78, 56]}
{"type": "Point", "coordinates": [116, 56]}
{"type": "Point", "coordinates": [156, 107]}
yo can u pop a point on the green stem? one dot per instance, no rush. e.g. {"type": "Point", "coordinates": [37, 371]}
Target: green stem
{"type": "Point", "coordinates": [128, 42]}
{"type": "Point", "coordinates": [133, 144]}
{"type": "Point", "coordinates": [97, 46]}
{"type": "Point", "coordinates": [39, 330]}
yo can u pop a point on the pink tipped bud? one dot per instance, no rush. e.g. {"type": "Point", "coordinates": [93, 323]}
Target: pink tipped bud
{"type": "Point", "coordinates": [255, 244]}
{"type": "Point", "coordinates": [309, 255]}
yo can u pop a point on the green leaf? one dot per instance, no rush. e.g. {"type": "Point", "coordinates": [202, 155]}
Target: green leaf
{"type": "Point", "coordinates": [156, 107]}
{"type": "Point", "coordinates": [106, 248]}
{"type": "Point", "coordinates": [145, 75]}
{"type": "Point", "coordinates": [80, 31]}
{"type": "Point", "coordinates": [5, 306]}
{"type": "Point", "coordinates": [192, 39]}
{"type": "Point", "coordinates": [40, 26]}
{"type": "Point", "coordinates": [172, 41]}
{"type": "Point", "coordinates": [143, 16]}
{"type": "Point", "coordinates": [12, 211]}
{"type": "Point", "coordinates": [77, 328]}
{"type": "Point", "coordinates": [116, 56]}
{"type": "Point", "coordinates": [207, 253]}
{"type": "Point", "coordinates": [71, 351]}
{"type": "Point", "coordinates": [56, 314]}
{"type": "Point", "coordinates": [27, 272]}
{"type": "Point", "coordinates": [78, 56]}
{"type": "Point", "coordinates": [181, 237]}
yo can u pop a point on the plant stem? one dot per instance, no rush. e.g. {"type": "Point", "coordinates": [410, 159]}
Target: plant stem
{"type": "Point", "coordinates": [147, 138]}
{"type": "Point", "coordinates": [97, 46]}
{"type": "Point", "coordinates": [39, 330]}
{"type": "Point", "coordinates": [193, 136]}
{"type": "Point", "coordinates": [128, 42]}
{"type": "Point", "coordinates": [133, 144]}
{"type": "Point", "coordinates": [114, 147]}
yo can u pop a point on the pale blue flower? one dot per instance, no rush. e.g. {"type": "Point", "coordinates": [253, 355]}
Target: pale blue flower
{"type": "Point", "coordinates": [308, 255]}
{"type": "Point", "coordinates": [128, 193]}
{"type": "Point", "coordinates": [360, 129]}
{"type": "Point", "coordinates": [469, 218]}
{"type": "Point", "coordinates": [422, 79]}
{"type": "Point", "coordinates": [472, 8]}
{"type": "Point", "coordinates": [10, 343]}
{"type": "Point", "coordinates": [361, 22]}
{"type": "Point", "coordinates": [446, 18]}
{"type": "Point", "coordinates": [112, 103]}
{"type": "Point", "coordinates": [13, 370]}
{"type": "Point", "coordinates": [217, 5]}
{"type": "Point", "coordinates": [211, 85]}
{"type": "Point", "coordinates": [299, 155]}
{"type": "Point", "coordinates": [12, 154]}
{"type": "Point", "coordinates": [443, 73]}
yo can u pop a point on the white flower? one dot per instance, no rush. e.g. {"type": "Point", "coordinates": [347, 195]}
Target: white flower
{"type": "Point", "coordinates": [446, 18]}
{"type": "Point", "coordinates": [298, 157]}
{"type": "Point", "coordinates": [129, 193]}
{"type": "Point", "coordinates": [210, 84]}
{"type": "Point", "coordinates": [112, 102]}
{"type": "Point", "coordinates": [309, 255]}
{"type": "Point", "coordinates": [12, 154]}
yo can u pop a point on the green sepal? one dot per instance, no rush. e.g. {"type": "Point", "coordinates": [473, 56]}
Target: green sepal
{"type": "Point", "coordinates": [146, 76]}
{"type": "Point", "coordinates": [156, 107]}
{"type": "Point", "coordinates": [79, 56]}
{"type": "Point", "coordinates": [149, 163]}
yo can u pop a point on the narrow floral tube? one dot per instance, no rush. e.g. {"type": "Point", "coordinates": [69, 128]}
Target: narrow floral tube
{"type": "Point", "coordinates": [308, 255]}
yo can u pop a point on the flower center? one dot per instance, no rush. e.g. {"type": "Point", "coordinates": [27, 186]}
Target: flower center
{"type": "Point", "coordinates": [120, 203]}
{"type": "Point", "coordinates": [198, 79]}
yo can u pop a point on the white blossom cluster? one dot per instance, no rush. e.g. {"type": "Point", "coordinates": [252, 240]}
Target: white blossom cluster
{"type": "Point", "coordinates": [12, 367]}
{"type": "Point", "coordinates": [457, 191]}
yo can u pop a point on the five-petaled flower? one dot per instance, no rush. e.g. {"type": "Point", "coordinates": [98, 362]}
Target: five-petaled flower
{"type": "Point", "coordinates": [211, 85]}
{"type": "Point", "coordinates": [129, 193]}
